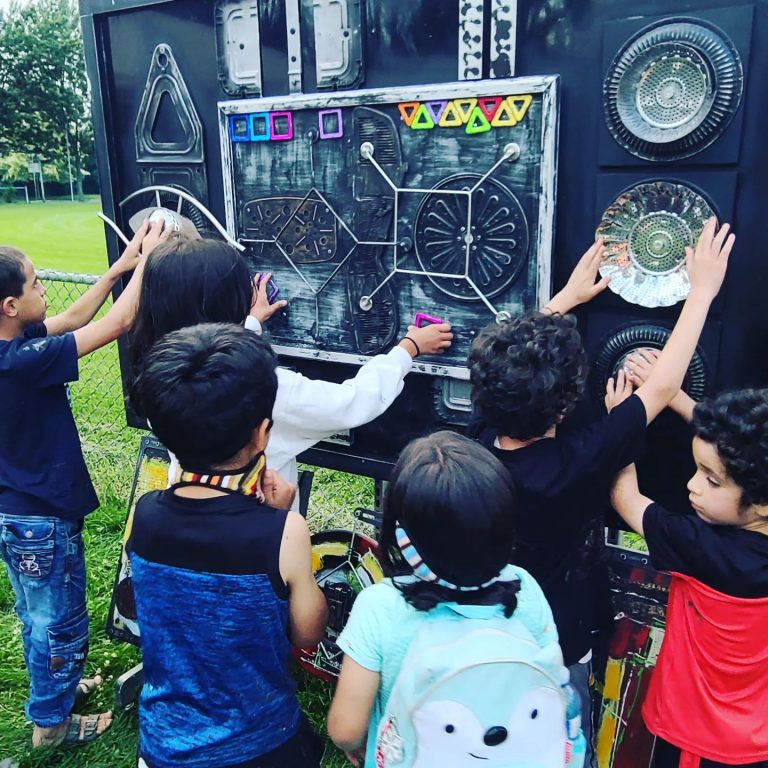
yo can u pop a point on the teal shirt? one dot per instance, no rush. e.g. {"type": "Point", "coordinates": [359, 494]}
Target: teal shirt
{"type": "Point", "coordinates": [382, 624]}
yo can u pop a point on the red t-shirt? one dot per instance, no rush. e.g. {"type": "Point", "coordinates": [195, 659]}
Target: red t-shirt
{"type": "Point", "coordinates": [709, 692]}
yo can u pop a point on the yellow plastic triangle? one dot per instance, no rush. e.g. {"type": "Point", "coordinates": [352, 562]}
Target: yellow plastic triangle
{"type": "Point", "coordinates": [465, 107]}
{"type": "Point", "coordinates": [504, 117]}
{"type": "Point", "coordinates": [408, 111]}
{"type": "Point", "coordinates": [478, 122]}
{"type": "Point", "coordinates": [422, 120]}
{"type": "Point", "coordinates": [519, 105]}
{"type": "Point", "coordinates": [451, 116]}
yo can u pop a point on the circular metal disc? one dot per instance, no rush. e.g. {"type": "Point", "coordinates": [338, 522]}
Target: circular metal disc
{"type": "Point", "coordinates": [490, 247]}
{"type": "Point", "coordinates": [646, 230]}
{"type": "Point", "coordinates": [634, 338]}
{"type": "Point", "coordinates": [345, 562]}
{"type": "Point", "coordinates": [672, 89]}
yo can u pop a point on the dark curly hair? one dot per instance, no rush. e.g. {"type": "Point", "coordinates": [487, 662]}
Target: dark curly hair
{"type": "Point", "coordinates": [456, 501]}
{"type": "Point", "coordinates": [527, 373]}
{"type": "Point", "coordinates": [736, 423]}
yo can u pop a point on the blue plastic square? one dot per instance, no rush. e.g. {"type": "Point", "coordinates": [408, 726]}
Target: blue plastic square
{"type": "Point", "coordinates": [239, 128]}
{"type": "Point", "coordinates": [259, 123]}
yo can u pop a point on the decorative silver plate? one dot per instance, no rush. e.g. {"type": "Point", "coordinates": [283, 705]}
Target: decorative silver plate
{"type": "Point", "coordinates": [672, 89]}
{"type": "Point", "coordinates": [646, 230]}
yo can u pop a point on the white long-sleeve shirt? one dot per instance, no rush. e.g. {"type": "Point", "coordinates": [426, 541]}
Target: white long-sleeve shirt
{"type": "Point", "coordinates": [307, 411]}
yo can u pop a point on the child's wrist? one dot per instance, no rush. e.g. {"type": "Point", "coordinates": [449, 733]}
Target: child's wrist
{"type": "Point", "coordinates": [410, 345]}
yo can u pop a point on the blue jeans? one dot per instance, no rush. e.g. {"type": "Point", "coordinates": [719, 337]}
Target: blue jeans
{"type": "Point", "coordinates": [46, 565]}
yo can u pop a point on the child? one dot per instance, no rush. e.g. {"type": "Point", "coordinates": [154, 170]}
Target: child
{"type": "Point", "coordinates": [708, 697]}
{"type": "Point", "coordinates": [446, 541]}
{"type": "Point", "coordinates": [45, 489]}
{"type": "Point", "coordinates": [222, 574]}
{"type": "Point", "coordinates": [527, 375]}
{"type": "Point", "coordinates": [196, 280]}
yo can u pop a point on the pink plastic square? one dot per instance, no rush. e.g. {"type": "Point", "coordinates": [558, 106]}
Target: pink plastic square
{"type": "Point", "coordinates": [275, 134]}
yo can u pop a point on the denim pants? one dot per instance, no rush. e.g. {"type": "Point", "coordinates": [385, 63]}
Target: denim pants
{"type": "Point", "coordinates": [46, 565]}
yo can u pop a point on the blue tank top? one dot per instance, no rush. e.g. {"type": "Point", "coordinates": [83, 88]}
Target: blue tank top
{"type": "Point", "coordinates": [213, 614]}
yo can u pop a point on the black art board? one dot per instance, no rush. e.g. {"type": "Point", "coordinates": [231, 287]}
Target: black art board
{"type": "Point", "coordinates": [356, 241]}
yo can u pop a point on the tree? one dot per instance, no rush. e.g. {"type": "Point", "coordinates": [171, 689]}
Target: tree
{"type": "Point", "coordinates": [45, 102]}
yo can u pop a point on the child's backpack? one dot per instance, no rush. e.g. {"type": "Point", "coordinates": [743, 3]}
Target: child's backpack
{"type": "Point", "coordinates": [480, 693]}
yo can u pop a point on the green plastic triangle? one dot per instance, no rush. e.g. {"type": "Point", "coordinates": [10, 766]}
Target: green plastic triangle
{"type": "Point", "coordinates": [422, 120]}
{"type": "Point", "coordinates": [478, 122]}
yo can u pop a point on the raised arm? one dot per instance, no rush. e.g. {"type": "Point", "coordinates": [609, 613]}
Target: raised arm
{"type": "Point", "coordinates": [627, 499]}
{"type": "Point", "coordinates": [581, 286]}
{"type": "Point", "coordinates": [307, 609]}
{"type": "Point", "coordinates": [82, 311]}
{"type": "Point", "coordinates": [639, 366]}
{"type": "Point", "coordinates": [706, 270]}
{"type": "Point", "coordinates": [121, 314]}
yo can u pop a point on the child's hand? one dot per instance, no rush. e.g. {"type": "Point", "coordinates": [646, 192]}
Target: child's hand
{"type": "Point", "coordinates": [708, 263]}
{"type": "Point", "coordinates": [131, 256]}
{"type": "Point", "coordinates": [261, 309]}
{"type": "Point", "coordinates": [158, 233]}
{"type": "Point", "coordinates": [639, 364]}
{"type": "Point", "coordinates": [581, 286]}
{"type": "Point", "coordinates": [618, 391]}
{"type": "Point", "coordinates": [432, 339]}
{"type": "Point", "coordinates": [278, 493]}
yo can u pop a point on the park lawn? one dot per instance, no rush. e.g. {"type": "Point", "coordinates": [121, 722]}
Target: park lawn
{"type": "Point", "coordinates": [72, 233]}
{"type": "Point", "coordinates": [59, 235]}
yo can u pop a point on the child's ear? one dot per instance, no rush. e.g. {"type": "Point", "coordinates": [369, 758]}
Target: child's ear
{"type": "Point", "coordinates": [8, 306]}
{"type": "Point", "coordinates": [260, 435]}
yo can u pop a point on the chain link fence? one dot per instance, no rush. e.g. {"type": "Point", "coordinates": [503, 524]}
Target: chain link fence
{"type": "Point", "coordinates": [110, 446]}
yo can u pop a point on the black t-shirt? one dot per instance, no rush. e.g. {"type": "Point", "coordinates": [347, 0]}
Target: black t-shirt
{"type": "Point", "coordinates": [731, 560]}
{"type": "Point", "coordinates": [42, 471]}
{"type": "Point", "coordinates": [563, 486]}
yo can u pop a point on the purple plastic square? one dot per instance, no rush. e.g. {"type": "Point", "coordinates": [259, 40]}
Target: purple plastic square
{"type": "Point", "coordinates": [330, 113]}
{"type": "Point", "coordinates": [275, 135]}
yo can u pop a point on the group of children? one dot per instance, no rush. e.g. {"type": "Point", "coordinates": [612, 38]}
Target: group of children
{"type": "Point", "coordinates": [477, 645]}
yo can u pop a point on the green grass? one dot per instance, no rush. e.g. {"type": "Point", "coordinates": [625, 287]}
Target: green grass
{"type": "Point", "coordinates": [71, 233]}
{"type": "Point", "coordinates": [60, 235]}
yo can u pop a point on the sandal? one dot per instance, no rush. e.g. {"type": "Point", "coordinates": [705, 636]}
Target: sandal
{"type": "Point", "coordinates": [86, 687]}
{"type": "Point", "coordinates": [81, 729]}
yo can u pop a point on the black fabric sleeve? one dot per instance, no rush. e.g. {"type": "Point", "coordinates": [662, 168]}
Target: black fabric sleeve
{"type": "Point", "coordinates": [610, 444]}
{"type": "Point", "coordinates": [686, 544]}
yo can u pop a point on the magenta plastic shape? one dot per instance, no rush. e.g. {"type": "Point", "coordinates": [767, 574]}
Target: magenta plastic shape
{"type": "Point", "coordinates": [273, 128]}
{"type": "Point", "coordinates": [422, 319]}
